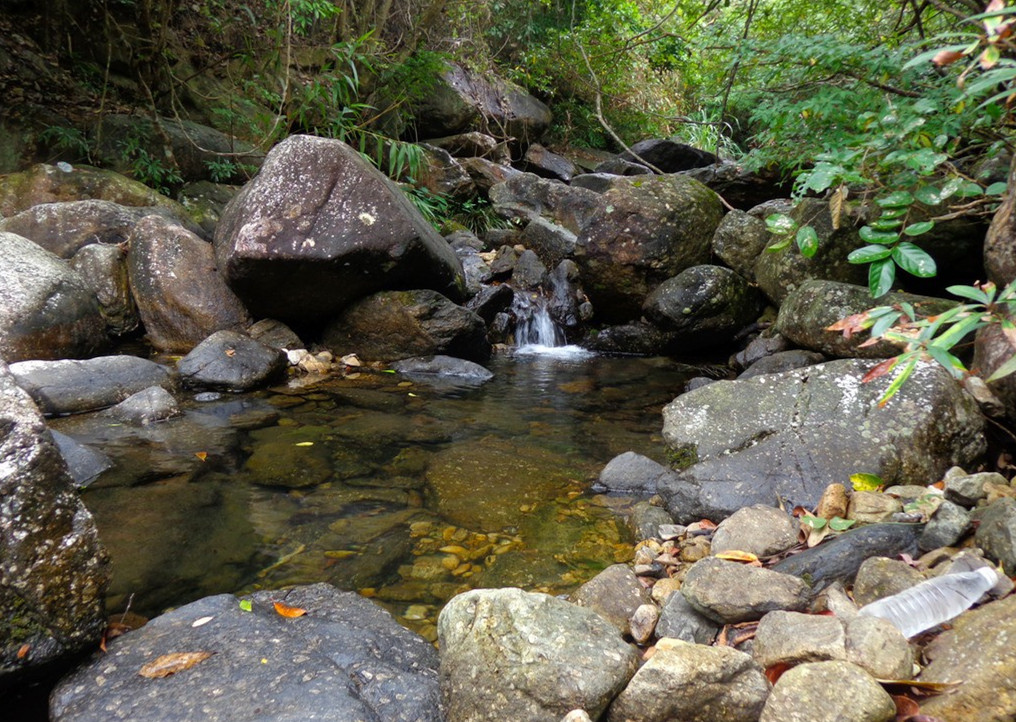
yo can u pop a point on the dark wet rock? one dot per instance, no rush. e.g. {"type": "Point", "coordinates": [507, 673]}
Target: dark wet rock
{"type": "Point", "coordinates": [53, 569]}
{"type": "Point", "coordinates": [760, 530]}
{"type": "Point", "coordinates": [638, 338]}
{"type": "Point", "coordinates": [567, 304]}
{"type": "Point", "coordinates": [275, 334]}
{"type": "Point", "coordinates": [289, 457]}
{"type": "Point", "coordinates": [728, 592]}
{"type": "Point", "coordinates": [205, 202]}
{"type": "Point", "coordinates": [145, 407]}
{"type": "Point", "coordinates": [181, 297]}
{"type": "Point", "coordinates": [793, 637]}
{"type": "Point", "coordinates": [551, 242]}
{"type": "Point", "coordinates": [615, 594]}
{"type": "Point", "coordinates": [976, 656]}
{"type": "Point", "coordinates": [620, 167]}
{"type": "Point", "coordinates": [759, 348]}
{"type": "Point", "coordinates": [490, 301]}
{"type": "Point", "coordinates": [680, 620]}
{"type": "Point", "coordinates": [472, 144]}
{"type": "Point", "coordinates": [441, 174]}
{"type": "Point", "coordinates": [717, 684]}
{"type": "Point", "coordinates": [738, 241]}
{"type": "Point", "coordinates": [442, 366]}
{"type": "Point", "coordinates": [741, 188]}
{"type": "Point", "coordinates": [991, 350]}
{"type": "Point", "coordinates": [968, 489]}
{"type": "Point", "coordinates": [84, 463]}
{"type": "Point", "coordinates": [70, 387]}
{"type": "Point", "coordinates": [47, 310]}
{"type": "Point", "coordinates": [777, 363]}
{"type": "Point", "coordinates": [668, 155]}
{"type": "Point", "coordinates": [808, 311]}
{"type": "Point", "coordinates": [45, 183]}
{"type": "Point", "coordinates": [947, 526]}
{"type": "Point", "coordinates": [599, 182]}
{"type": "Point", "coordinates": [642, 233]}
{"type": "Point", "coordinates": [503, 264]}
{"type": "Point", "coordinates": [527, 196]}
{"type": "Point", "coordinates": [463, 239]}
{"type": "Point", "coordinates": [231, 361]}
{"type": "Point", "coordinates": [345, 659]}
{"type": "Point", "coordinates": [543, 162]}
{"type": "Point", "coordinates": [839, 558]}
{"type": "Point", "coordinates": [529, 272]}
{"type": "Point", "coordinates": [645, 519]}
{"type": "Point", "coordinates": [789, 435]}
{"type": "Point", "coordinates": [509, 654]}
{"type": "Point", "coordinates": [781, 272]}
{"type": "Point", "coordinates": [318, 228]}
{"type": "Point", "coordinates": [703, 305]}
{"type": "Point", "coordinates": [816, 692]}
{"type": "Point", "coordinates": [631, 473]}
{"type": "Point", "coordinates": [487, 174]}
{"type": "Point", "coordinates": [401, 324]}
{"type": "Point", "coordinates": [463, 99]}
{"type": "Point", "coordinates": [475, 270]}
{"type": "Point", "coordinates": [104, 269]}
{"type": "Point", "coordinates": [996, 531]}
{"type": "Point", "coordinates": [65, 228]}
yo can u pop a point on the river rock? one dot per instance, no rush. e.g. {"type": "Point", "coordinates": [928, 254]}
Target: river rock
{"type": "Point", "coordinates": [231, 361]}
{"type": "Point", "coordinates": [401, 324]}
{"type": "Point", "coordinates": [740, 187]}
{"type": "Point", "coordinates": [668, 155]}
{"type": "Point", "coordinates": [275, 334]}
{"type": "Point", "coordinates": [680, 620]}
{"type": "Point", "coordinates": [431, 367]}
{"type": "Point", "coordinates": [53, 569]}
{"type": "Point", "coordinates": [205, 202]}
{"type": "Point", "coordinates": [487, 174]}
{"type": "Point", "coordinates": [181, 297]}
{"type": "Point", "coordinates": [104, 269]}
{"type": "Point", "coordinates": [947, 526]}
{"type": "Point", "coordinates": [543, 162]}
{"type": "Point", "coordinates": [789, 435]}
{"type": "Point", "coordinates": [1000, 241]}
{"type": "Point", "coordinates": [46, 309]}
{"type": "Point", "coordinates": [792, 638]}
{"type": "Point", "coordinates": [65, 228]}
{"type": "Point", "coordinates": [996, 531]}
{"type": "Point", "coordinates": [551, 242]}
{"type": "Point", "coordinates": [739, 240]}
{"type": "Point", "coordinates": [145, 407]}
{"type": "Point", "coordinates": [72, 387]}
{"type": "Point", "coordinates": [345, 659]}
{"type": "Point", "coordinates": [703, 305]}
{"type": "Point", "coordinates": [728, 592]}
{"type": "Point", "coordinates": [871, 507]}
{"type": "Point", "coordinates": [778, 273]}
{"type": "Point", "coordinates": [978, 658]}
{"type": "Point", "coordinates": [642, 233]}
{"type": "Point", "coordinates": [991, 350]}
{"type": "Point", "coordinates": [510, 654]}
{"type": "Point", "coordinates": [618, 166]}
{"type": "Point", "coordinates": [472, 144]}
{"type": "Point", "coordinates": [968, 489]}
{"type": "Point", "coordinates": [84, 463]}
{"type": "Point", "coordinates": [526, 196]}
{"type": "Point", "coordinates": [615, 594]}
{"type": "Point", "coordinates": [878, 647]}
{"type": "Point", "coordinates": [879, 577]}
{"type": "Point", "coordinates": [839, 558]}
{"type": "Point", "coordinates": [490, 301]}
{"type": "Point", "coordinates": [631, 473]}
{"type": "Point", "coordinates": [529, 272]}
{"type": "Point", "coordinates": [808, 311]}
{"type": "Point", "coordinates": [320, 227]}
{"type": "Point", "coordinates": [777, 363]}
{"type": "Point", "coordinates": [638, 338]}
{"type": "Point", "coordinates": [441, 174]}
{"type": "Point", "coordinates": [824, 692]}
{"type": "Point", "coordinates": [717, 684]}
{"type": "Point", "coordinates": [760, 530]}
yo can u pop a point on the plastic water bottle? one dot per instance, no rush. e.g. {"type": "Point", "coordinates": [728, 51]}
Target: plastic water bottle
{"type": "Point", "coordinates": [934, 601]}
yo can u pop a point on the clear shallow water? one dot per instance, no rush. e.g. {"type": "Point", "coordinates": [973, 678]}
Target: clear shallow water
{"type": "Point", "coordinates": [407, 491]}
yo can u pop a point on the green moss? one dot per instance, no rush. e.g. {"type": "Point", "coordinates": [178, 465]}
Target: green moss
{"type": "Point", "coordinates": [682, 458]}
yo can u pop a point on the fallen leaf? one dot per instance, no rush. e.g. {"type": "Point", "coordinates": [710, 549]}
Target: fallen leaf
{"type": "Point", "coordinates": [946, 57]}
{"type": "Point", "coordinates": [202, 621]}
{"type": "Point", "coordinates": [735, 555]}
{"type": "Point", "coordinates": [905, 706]}
{"type": "Point", "coordinates": [169, 664]}
{"type": "Point", "coordinates": [202, 455]}
{"type": "Point", "coordinates": [776, 671]}
{"type": "Point", "coordinates": [231, 352]}
{"type": "Point", "coordinates": [24, 650]}
{"type": "Point", "coordinates": [246, 606]}
{"type": "Point", "coordinates": [289, 612]}
{"type": "Point", "coordinates": [880, 370]}
{"type": "Point", "coordinates": [304, 443]}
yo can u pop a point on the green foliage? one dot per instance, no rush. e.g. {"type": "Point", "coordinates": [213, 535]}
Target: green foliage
{"type": "Point", "coordinates": [148, 169]}
{"type": "Point", "coordinates": [446, 213]}
{"type": "Point", "coordinates": [67, 140]}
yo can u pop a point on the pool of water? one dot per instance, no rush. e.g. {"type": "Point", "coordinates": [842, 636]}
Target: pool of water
{"type": "Point", "coordinates": [405, 490]}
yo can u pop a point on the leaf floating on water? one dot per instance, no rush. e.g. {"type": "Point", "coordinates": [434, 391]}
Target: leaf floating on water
{"type": "Point", "coordinates": [169, 664]}
{"type": "Point", "coordinates": [245, 605]}
{"type": "Point", "coordinates": [202, 621]}
{"type": "Point", "coordinates": [289, 612]}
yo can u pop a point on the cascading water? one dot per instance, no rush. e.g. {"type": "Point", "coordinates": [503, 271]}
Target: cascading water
{"type": "Point", "coordinates": [536, 332]}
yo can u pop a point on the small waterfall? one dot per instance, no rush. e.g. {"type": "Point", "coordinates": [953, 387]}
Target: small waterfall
{"type": "Point", "coordinates": [537, 333]}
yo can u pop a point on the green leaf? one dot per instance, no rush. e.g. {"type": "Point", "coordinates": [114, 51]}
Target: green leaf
{"type": "Point", "coordinates": [884, 323]}
{"type": "Point", "coordinates": [781, 245]}
{"type": "Point", "coordinates": [245, 605]}
{"type": "Point", "coordinates": [822, 176]}
{"type": "Point", "coordinates": [870, 235]}
{"type": "Point", "coordinates": [972, 293]}
{"type": "Point", "coordinates": [899, 380]}
{"type": "Point", "coordinates": [807, 241]}
{"type": "Point", "coordinates": [914, 260]}
{"type": "Point", "coordinates": [780, 224]}
{"type": "Point", "coordinates": [886, 224]}
{"type": "Point", "coordinates": [1004, 370]}
{"type": "Point", "coordinates": [916, 229]}
{"type": "Point", "coordinates": [996, 189]}
{"type": "Point", "coordinates": [946, 359]}
{"type": "Point", "coordinates": [867, 254]}
{"type": "Point", "coordinates": [955, 333]}
{"type": "Point", "coordinates": [899, 199]}
{"type": "Point", "coordinates": [881, 275]}
{"type": "Point", "coordinates": [866, 482]}
{"type": "Point", "coordinates": [815, 522]}
{"type": "Point", "coordinates": [840, 524]}
{"type": "Point", "coordinates": [968, 189]}
{"type": "Point", "coordinates": [929, 195]}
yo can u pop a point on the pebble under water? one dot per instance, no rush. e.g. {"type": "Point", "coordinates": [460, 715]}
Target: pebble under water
{"type": "Point", "coordinates": [406, 491]}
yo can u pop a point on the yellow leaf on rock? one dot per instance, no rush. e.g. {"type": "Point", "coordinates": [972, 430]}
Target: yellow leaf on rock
{"type": "Point", "coordinates": [289, 612]}
{"type": "Point", "coordinates": [734, 555]}
{"type": "Point", "coordinates": [169, 664]}
{"type": "Point", "coordinates": [202, 455]}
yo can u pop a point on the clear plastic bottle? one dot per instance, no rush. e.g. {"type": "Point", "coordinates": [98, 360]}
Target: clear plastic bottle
{"type": "Point", "coordinates": [934, 601]}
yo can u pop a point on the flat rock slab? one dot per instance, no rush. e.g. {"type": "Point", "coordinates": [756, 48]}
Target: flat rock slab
{"type": "Point", "coordinates": [345, 660]}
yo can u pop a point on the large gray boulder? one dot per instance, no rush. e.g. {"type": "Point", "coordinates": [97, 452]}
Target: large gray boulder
{"type": "Point", "coordinates": [181, 297]}
{"type": "Point", "coordinates": [527, 197]}
{"type": "Point", "coordinates": [319, 228]}
{"type": "Point", "coordinates": [103, 268]}
{"type": "Point", "coordinates": [643, 232]}
{"type": "Point", "coordinates": [345, 659]}
{"type": "Point", "coordinates": [53, 570]}
{"type": "Point", "coordinates": [787, 436]}
{"type": "Point", "coordinates": [738, 241]}
{"type": "Point", "coordinates": [46, 308]}
{"type": "Point", "coordinates": [510, 654]}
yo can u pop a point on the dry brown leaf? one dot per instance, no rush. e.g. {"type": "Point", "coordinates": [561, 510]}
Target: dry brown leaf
{"type": "Point", "coordinates": [734, 555]}
{"type": "Point", "coordinates": [24, 650]}
{"type": "Point", "coordinates": [202, 455]}
{"type": "Point", "coordinates": [836, 205]}
{"type": "Point", "coordinates": [231, 352]}
{"type": "Point", "coordinates": [287, 611]}
{"type": "Point", "coordinates": [946, 57]}
{"type": "Point", "coordinates": [172, 663]}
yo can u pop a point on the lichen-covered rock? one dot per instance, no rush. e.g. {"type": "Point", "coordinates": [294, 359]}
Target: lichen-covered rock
{"type": "Point", "coordinates": [181, 297]}
{"type": "Point", "coordinates": [615, 594]}
{"type": "Point", "coordinates": [790, 435]}
{"type": "Point", "coordinates": [738, 241]}
{"type": "Point", "coordinates": [318, 228]}
{"type": "Point", "coordinates": [53, 570]}
{"type": "Point", "coordinates": [46, 309]}
{"type": "Point", "coordinates": [510, 654]}
{"type": "Point", "coordinates": [527, 196]}
{"type": "Point", "coordinates": [832, 691]}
